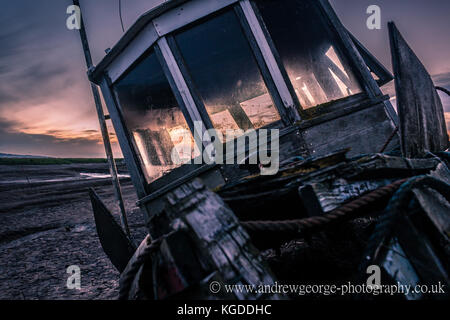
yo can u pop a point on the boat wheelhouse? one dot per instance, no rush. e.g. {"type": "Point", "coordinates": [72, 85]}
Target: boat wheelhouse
{"type": "Point", "coordinates": [239, 65]}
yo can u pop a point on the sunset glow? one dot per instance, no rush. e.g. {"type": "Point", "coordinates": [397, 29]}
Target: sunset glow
{"type": "Point", "coordinates": [46, 106]}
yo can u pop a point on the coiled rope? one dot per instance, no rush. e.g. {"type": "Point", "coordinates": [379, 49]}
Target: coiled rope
{"type": "Point", "coordinates": [443, 90]}
{"type": "Point", "coordinates": [402, 190]}
{"type": "Point", "coordinates": [398, 205]}
{"type": "Point", "coordinates": [340, 213]}
{"type": "Point", "coordinates": [127, 278]}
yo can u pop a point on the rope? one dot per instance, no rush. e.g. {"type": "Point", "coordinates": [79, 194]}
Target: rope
{"type": "Point", "coordinates": [443, 90]}
{"type": "Point", "coordinates": [445, 157]}
{"type": "Point", "coordinates": [326, 219]}
{"type": "Point", "coordinates": [126, 279]}
{"type": "Point", "coordinates": [399, 204]}
{"type": "Point", "coordinates": [389, 140]}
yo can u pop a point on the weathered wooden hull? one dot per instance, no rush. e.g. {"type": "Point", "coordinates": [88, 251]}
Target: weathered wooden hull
{"type": "Point", "coordinates": [201, 241]}
{"type": "Point", "coordinates": [348, 196]}
{"type": "Point", "coordinates": [422, 120]}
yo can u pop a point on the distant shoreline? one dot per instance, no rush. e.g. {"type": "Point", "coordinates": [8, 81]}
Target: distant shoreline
{"type": "Point", "coordinates": [52, 161]}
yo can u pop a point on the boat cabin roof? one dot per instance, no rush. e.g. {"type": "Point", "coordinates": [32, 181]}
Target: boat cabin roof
{"type": "Point", "coordinates": [133, 31]}
{"type": "Point", "coordinates": [235, 65]}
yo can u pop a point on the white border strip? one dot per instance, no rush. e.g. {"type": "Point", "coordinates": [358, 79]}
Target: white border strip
{"type": "Point", "coordinates": [180, 82]}
{"type": "Point", "coordinates": [267, 54]}
{"type": "Point", "coordinates": [161, 26]}
{"type": "Point", "coordinates": [132, 52]}
{"type": "Point", "coordinates": [187, 13]}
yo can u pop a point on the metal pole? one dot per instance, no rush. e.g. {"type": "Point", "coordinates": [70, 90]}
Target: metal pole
{"type": "Point", "coordinates": [104, 128]}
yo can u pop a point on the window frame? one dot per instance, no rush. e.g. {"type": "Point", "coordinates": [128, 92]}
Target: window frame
{"type": "Point", "coordinates": [267, 57]}
{"type": "Point", "coordinates": [258, 58]}
{"type": "Point", "coordinates": [168, 73]}
{"type": "Point", "coordinates": [157, 35]}
{"type": "Point", "coordinates": [340, 47]}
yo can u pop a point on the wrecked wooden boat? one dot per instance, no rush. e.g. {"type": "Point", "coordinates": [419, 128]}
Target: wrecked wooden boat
{"type": "Point", "coordinates": [355, 185]}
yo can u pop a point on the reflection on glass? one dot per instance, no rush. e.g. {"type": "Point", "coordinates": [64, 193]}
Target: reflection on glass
{"type": "Point", "coordinates": [307, 48]}
{"type": "Point", "coordinates": [225, 73]}
{"type": "Point", "coordinates": [152, 115]}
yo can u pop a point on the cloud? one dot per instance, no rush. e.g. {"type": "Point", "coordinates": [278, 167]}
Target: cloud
{"type": "Point", "coordinates": [46, 105]}
{"type": "Point", "coordinates": [53, 143]}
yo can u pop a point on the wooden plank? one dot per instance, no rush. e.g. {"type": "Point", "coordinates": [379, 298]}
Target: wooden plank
{"type": "Point", "coordinates": [131, 53]}
{"type": "Point", "coordinates": [437, 209]}
{"type": "Point", "coordinates": [372, 62]}
{"type": "Point", "coordinates": [104, 129]}
{"type": "Point", "coordinates": [399, 267]}
{"type": "Point", "coordinates": [97, 73]}
{"type": "Point", "coordinates": [262, 64]}
{"type": "Point", "coordinates": [355, 58]}
{"type": "Point", "coordinates": [311, 200]}
{"type": "Point", "coordinates": [258, 38]}
{"type": "Point", "coordinates": [334, 193]}
{"type": "Point", "coordinates": [125, 141]}
{"type": "Point", "coordinates": [365, 131]}
{"type": "Point", "coordinates": [187, 13]}
{"type": "Point", "coordinates": [189, 83]}
{"type": "Point", "coordinates": [114, 241]}
{"type": "Point", "coordinates": [219, 242]}
{"type": "Point", "coordinates": [276, 56]}
{"type": "Point", "coordinates": [424, 259]}
{"type": "Point", "coordinates": [422, 121]}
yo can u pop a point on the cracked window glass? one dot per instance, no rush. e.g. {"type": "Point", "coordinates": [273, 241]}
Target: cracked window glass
{"type": "Point", "coordinates": [308, 51]}
{"type": "Point", "coordinates": [226, 75]}
{"type": "Point", "coordinates": [153, 117]}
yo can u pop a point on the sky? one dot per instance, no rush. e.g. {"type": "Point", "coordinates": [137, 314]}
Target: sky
{"type": "Point", "coordinates": [46, 105]}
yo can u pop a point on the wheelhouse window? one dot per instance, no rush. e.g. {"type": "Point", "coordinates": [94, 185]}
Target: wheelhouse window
{"type": "Point", "coordinates": [151, 113]}
{"type": "Point", "coordinates": [308, 51]}
{"type": "Point", "coordinates": [225, 74]}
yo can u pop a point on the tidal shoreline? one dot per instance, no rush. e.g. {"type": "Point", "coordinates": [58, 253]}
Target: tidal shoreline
{"type": "Point", "coordinates": [47, 226]}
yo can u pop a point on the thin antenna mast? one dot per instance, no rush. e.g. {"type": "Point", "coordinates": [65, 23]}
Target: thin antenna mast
{"type": "Point", "coordinates": [104, 128]}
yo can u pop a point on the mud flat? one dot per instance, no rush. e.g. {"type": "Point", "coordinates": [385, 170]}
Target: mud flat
{"type": "Point", "coordinates": [47, 225]}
